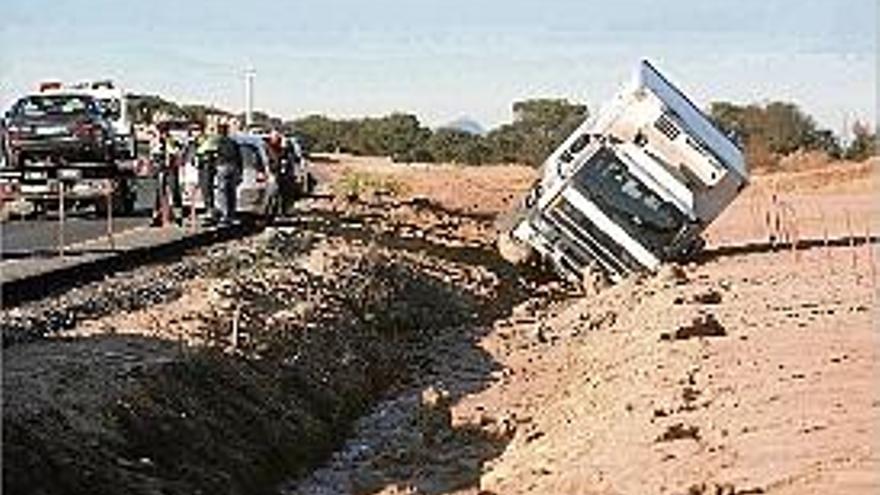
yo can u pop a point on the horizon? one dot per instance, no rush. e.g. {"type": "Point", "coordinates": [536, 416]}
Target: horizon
{"type": "Point", "coordinates": [446, 60]}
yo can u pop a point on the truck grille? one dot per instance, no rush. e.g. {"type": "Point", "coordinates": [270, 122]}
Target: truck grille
{"type": "Point", "coordinates": [587, 244]}
{"type": "Point", "coordinates": [665, 125]}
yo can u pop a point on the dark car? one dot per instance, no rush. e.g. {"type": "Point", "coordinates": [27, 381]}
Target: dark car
{"type": "Point", "coordinates": [65, 127]}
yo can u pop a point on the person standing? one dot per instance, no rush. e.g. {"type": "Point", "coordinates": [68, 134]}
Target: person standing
{"type": "Point", "coordinates": [229, 165]}
{"type": "Point", "coordinates": [206, 158]}
{"type": "Point", "coordinates": [160, 155]}
{"type": "Point", "coordinates": [166, 156]}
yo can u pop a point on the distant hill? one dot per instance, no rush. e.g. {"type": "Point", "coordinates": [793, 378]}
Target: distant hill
{"type": "Point", "coordinates": [466, 124]}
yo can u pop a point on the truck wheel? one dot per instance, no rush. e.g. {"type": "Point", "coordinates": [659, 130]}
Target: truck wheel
{"type": "Point", "coordinates": [126, 203]}
{"type": "Point", "coordinates": [511, 250]}
{"type": "Point", "coordinates": [692, 250]}
{"type": "Point", "coordinates": [122, 201]}
{"type": "Point", "coordinates": [594, 280]}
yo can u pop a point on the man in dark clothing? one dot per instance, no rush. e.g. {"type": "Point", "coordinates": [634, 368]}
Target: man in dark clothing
{"type": "Point", "coordinates": [228, 175]}
{"type": "Point", "coordinates": [206, 156]}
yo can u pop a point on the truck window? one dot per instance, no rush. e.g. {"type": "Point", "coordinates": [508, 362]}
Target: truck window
{"type": "Point", "coordinates": [110, 108]}
{"type": "Point", "coordinates": [642, 213]}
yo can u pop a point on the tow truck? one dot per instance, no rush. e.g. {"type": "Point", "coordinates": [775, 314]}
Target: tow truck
{"type": "Point", "coordinates": [631, 188]}
{"type": "Point", "coordinates": [62, 143]}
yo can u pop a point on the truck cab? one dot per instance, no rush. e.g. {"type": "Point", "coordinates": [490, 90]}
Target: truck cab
{"type": "Point", "coordinates": [632, 187]}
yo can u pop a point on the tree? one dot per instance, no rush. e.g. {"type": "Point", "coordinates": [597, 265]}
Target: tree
{"type": "Point", "coordinates": [863, 145]}
{"type": "Point", "coordinates": [539, 126]}
{"type": "Point", "coordinates": [145, 108]}
{"type": "Point", "coordinates": [457, 146]}
{"type": "Point", "coordinates": [773, 130]}
{"type": "Point", "coordinates": [320, 133]}
{"type": "Point", "coordinates": [262, 120]}
{"type": "Point", "coordinates": [199, 112]}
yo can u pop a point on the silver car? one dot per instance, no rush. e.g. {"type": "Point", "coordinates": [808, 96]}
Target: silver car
{"type": "Point", "coordinates": [257, 192]}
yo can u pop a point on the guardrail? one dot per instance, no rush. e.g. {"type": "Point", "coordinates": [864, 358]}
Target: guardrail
{"type": "Point", "coordinates": [64, 186]}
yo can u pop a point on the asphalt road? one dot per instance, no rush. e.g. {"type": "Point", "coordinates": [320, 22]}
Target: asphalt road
{"type": "Point", "coordinates": [23, 237]}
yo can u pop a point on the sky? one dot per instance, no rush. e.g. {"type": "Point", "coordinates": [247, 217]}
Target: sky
{"type": "Point", "coordinates": [446, 59]}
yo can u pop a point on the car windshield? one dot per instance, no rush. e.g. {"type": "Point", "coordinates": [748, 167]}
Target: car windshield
{"type": "Point", "coordinates": [40, 106]}
{"type": "Point", "coordinates": [636, 208]}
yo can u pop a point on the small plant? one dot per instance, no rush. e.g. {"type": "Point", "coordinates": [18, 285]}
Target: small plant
{"type": "Point", "coordinates": [351, 185]}
{"type": "Point", "coordinates": [357, 185]}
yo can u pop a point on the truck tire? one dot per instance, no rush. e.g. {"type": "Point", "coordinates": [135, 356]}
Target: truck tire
{"type": "Point", "coordinates": [594, 280]}
{"type": "Point", "coordinates": [691, 251]}
{"type": "Point", "coordinates": [511, 250]}
{"type": "Point", "coordinates": [122, 201]}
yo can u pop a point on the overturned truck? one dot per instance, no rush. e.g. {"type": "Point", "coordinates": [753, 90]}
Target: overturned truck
{"type": "Point", "coordinates": [632, 187]}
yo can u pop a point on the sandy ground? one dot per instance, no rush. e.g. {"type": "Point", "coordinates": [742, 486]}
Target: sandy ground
{"type": "Point", "coordinates": [748, 373]}
{"type": "Point", "coordinates": [754, 370]}
{"type": "Point", "coordinates": [616, 398]}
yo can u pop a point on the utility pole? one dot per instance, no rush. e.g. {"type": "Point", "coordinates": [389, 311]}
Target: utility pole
{"type": "Point", "coordinates": [249, 76]}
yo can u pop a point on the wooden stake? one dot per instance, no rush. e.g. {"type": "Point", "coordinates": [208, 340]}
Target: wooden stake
{"type": "Point", "coordinates": [870, 248]}
{"type": "Point", "coordinates": [109, 199]}
{"type": "Point", "coordinates": [61, 218]}
{"type": "Point", "coordinates": [194, 196]}
{"type": "Point", "coordinates": [166, 212]}
{"type": "Point", "coordinates": [794, 235]}
{"type": "Point", "coordinates": [852, 239]}
{"type": "Point", "coordinates": [236, 314]}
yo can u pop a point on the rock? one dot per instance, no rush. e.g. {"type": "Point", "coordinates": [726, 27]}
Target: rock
{"type": "Point", "coordinates": [434, 418]}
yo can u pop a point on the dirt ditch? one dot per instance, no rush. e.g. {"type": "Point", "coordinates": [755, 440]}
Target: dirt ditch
{"type": "Point", "coordinates": [247, 367]}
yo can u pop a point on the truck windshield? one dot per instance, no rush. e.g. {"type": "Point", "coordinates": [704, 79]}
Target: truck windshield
{"type": "Point", "coordinates": [110, 108]}
{"type": "Point", "coordinates": [637, 209]}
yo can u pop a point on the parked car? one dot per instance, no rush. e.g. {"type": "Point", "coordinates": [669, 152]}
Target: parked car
{"type": "Point", "coordinates": [296, 178]}
{"type": "Point", "coordinates": [258, 195]}
{"type": "Point", "coordinates": [67, 127]}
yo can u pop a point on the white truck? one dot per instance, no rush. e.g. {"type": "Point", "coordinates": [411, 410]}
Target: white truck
{"type": "Point", "coordinates": [632, 187]}
{"type": "Point", "coordinates": [113, 104]}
